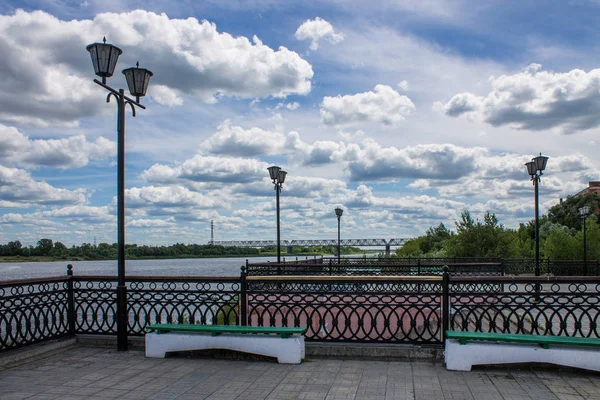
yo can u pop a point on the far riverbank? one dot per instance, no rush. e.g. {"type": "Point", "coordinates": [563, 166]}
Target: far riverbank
{"type": "Point", "coordinates": [33, 259]}
{"type": "Point", "coordinates": [166, 267]}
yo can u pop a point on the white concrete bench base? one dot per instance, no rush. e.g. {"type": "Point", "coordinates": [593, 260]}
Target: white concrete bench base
{"type": "Point", "coordinates": [461, 357]}
{"type": "Point", "coordinates": [287, 351]}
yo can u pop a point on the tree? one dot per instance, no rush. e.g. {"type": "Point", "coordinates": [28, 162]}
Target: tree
{"type": "Point", "coordinates": [560, 244]}
{"type": "Point", "coordinates": [44, 247]}
{"type": "Point", "coordinates": [412, 247]}
{"type": "Point", "coordinates": [14, 248]}
{"type": "Point", "coordinates": [567, 212]}
{"type": "Point", "coordinates": [480, 239]}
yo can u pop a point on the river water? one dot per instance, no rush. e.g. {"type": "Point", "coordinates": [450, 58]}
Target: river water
{"type": "Point", "coordinates": [174, 267]}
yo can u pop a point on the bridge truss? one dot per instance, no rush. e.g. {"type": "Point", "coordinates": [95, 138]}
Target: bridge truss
{"type": "Point", "coordinates": [312, 242]}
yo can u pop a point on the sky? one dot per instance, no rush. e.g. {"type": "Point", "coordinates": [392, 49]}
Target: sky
{"type": "Point", "coordinates": [402, 113]}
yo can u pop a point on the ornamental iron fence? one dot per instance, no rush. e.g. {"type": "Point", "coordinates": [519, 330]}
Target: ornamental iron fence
{"type": "Point", "coordinates": [150, 300]}
{"type": "Point", "coordinates": [350, 309]}
{"type": "Point", "coordinates": [555, 306]}
{"type": "Point", "coordinates": [34, 311]}
{"type": "Point", "coordinates": [414, 309]}
{"type": "Point", "coordinates": [510, 266]}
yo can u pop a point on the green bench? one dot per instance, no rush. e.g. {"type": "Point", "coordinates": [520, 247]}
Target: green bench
{"type": "Point", "coordinates": [465, 349]}
{"type": "Point", "coordinates": [284, 343]}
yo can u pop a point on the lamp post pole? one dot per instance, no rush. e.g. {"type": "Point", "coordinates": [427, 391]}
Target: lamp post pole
{"type": "Point", "coordinates": [535, 169]}
{"type": "Point", "coordinates": [278, 177]}
{"type": "Point", "coordinates": [104, 59]}
{"type": "Point", "coordinates": [584, 212]}
{"type": "Point", "coordinates": [536, 182]}
{"type": "Point", "coordinates": [338, 213]}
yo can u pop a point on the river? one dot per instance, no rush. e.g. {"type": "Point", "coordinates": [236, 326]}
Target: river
{"type": "Point", "coordinates": [171, 267]}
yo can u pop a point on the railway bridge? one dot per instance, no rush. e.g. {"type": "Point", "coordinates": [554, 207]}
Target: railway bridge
{"type": "Point", "coordinates": [387, 243]}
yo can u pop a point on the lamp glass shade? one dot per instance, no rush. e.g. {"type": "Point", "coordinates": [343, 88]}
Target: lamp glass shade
{"type": "Point", "coordinates": [104, 58]}
{"type": "Point", "coordinates": [137, 80]}
{"type": "Point", "coordinates": [281, 176]}
{"type": "Point", "coordinates": [540, 162]}
{"type": "Point", "coordinates": [273, 172]}
{"type": "Point", "coordinates": [531, 168]}
{"type": "Point", "coordinates": [584, 211]}
{"type": "Point", "coordinates": [339, 212]}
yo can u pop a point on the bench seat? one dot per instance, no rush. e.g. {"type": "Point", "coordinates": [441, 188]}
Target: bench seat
{"type": "Point", "coordinates": [465, 349]}
{"type": "Point", "coordinates": [286, 343]}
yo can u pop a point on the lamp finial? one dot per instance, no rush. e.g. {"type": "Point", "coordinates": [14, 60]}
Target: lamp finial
{"type": "Point", "coordinates": [104, 39]}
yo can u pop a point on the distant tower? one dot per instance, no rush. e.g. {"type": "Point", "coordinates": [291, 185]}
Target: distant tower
{"type": "Point", "coordinates": [212, 232]}
{"type": "Point", "coordinates": [94, 241]}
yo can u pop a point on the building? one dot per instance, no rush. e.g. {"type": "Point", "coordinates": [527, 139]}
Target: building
{"type": "Point", "coordinates": [594, 187]}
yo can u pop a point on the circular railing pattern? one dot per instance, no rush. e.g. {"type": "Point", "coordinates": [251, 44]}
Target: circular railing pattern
{"type": "Point", "coordinates": [391, 312]}
{"type": "Point", "coordinates": [32, 312]}
{"type": "Point", "coordinates": [557, 309]}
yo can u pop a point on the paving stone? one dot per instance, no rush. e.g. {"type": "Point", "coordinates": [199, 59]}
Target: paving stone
{"type": "Point", "coordinates": [93, 374]}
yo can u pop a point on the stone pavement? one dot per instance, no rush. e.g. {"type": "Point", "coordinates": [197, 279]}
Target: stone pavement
{"type": "Point", "coordinates": [94, 373]}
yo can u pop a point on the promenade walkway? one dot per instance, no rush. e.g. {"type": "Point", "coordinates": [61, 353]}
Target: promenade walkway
{"type": "Point", "coordinates": [94, 373]}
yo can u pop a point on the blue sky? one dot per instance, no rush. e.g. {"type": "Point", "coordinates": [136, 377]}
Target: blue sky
{"type": "Point", "coordinates": [403, 113]}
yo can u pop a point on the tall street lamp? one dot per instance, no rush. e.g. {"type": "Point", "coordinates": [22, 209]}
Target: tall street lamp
{"type": "Point", "coordinates": [104, 58]}
{"type": "Point", "coordinates": [339, 212]}
{"type": "Point", "coordinates": [584, 212]}
{"type": "Point", "coordinates": [278, 177]}
{"type": "Point", "coordinates": [535, 170]}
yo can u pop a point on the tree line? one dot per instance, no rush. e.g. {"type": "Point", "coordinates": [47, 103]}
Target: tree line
{"type": "Point", "coordinates": [104, 251]}
{"type": "Point", "coordinates": [561, 235]}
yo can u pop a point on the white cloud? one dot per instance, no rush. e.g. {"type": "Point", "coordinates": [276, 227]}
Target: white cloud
{"type": "Point", "coordinates": [45, 62]}
{"type": "Point", "coordinates": [237, 141]}
{"type": "Point", "coordinates": [19, 189]}
{"type": "Point", "coordinates": [384, 105]}
{"type": "Point", "coordinates": [534, 99]}
{"type": "Point", "coordinates": [166, 96]}
{"type": "Point", "coordinates": [208, 169]}
{"type": "Point", "coordinates": [74, 151]}
{"type": "Point", "coordinates": [168, 196]}
{"type": "Point", "coordinates": [317, 29]}
{"type": "Point", "coordinates": [90, 214]}
{"type": "Point", "coordinates": [372, 162]}
{"type": "Point", "coordinates": [151, 223]}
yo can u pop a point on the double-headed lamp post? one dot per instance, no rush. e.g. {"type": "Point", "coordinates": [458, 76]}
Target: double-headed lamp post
{"type": "Point", "coordinates": [584, 212]}
{"type": "Point", "coordinates": [278, 177]}
{"type": "Point", "coordinates": [338, 213]}
{"type": "Point", "coordinates": [535, 169]}
{"type": "Point", "coordinates": [104, 58]}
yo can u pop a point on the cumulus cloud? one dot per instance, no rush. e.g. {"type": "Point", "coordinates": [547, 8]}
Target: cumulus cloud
{"type": "Point", "coordinates": [237, 141]}
{"type": "Point", "coordinates": [19, 189]}
{"type": "Point", "coordinates": [54, 81]}
{"type": "Point", "coordinates": [372, 162]}
{"type": "Point", "coordinates": [90, 214]}
{"type": "Point", "coordinates": [384, 105]}
{"type": "Point", "coordinates": [534, 99]}
{"type": "Point", "coordinates": [166, 96]}
{"type": "Point", "coordinates": [168, 196]}
{"type": "Point", "coordinates": [208, 169]}
{"type": "Point", "coordinates": [316, 30]}
{"type": "Point", "coordinates": [73, 151]}
{"type": "Point", "coordinates": [505, 177]}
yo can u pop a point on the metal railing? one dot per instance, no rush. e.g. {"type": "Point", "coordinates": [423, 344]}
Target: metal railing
{"type": "Point", "coordinates": [511, 266]}
{"type": "Point", "coordinates": [425, 268]}
{"type": "Point", "coordinates": [415, 309]}
{"type": "Point", "coordinates": [33, 311]}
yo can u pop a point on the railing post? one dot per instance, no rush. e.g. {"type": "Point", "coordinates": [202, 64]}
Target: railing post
{"type": "Point", "coordinates": [243, 297]}
{"type": "Point", "coordinates": [419, 267]}
{"type": "Point", "coordinates": [445, 302]}
{"type": "Point", "coordinates": [70, 301]}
